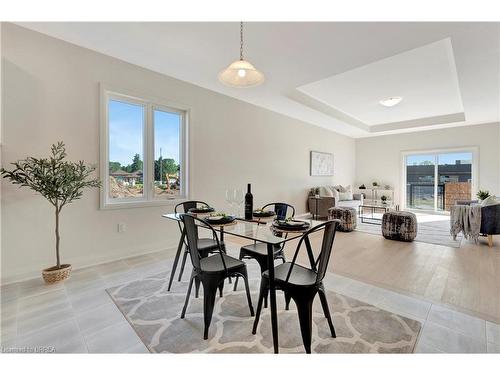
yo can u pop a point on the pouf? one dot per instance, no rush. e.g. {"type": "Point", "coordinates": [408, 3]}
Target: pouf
{"type": "Point", "coordinates": [347, 217]}
{"type": "Point", "coordinates": [399, 226]}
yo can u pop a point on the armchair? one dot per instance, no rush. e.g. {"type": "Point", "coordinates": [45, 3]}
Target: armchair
{"type": "Point", "coordinates": [490, 219]}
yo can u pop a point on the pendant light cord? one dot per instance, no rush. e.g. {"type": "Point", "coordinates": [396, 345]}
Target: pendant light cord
{"type": "Point", "coordinates": [241, 40]}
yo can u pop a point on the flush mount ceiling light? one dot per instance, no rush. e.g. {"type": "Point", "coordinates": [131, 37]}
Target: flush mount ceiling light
{"type": "Point", "coordinates": [241, 73]}
{"type": "Point", "coordinates": [391, 102]}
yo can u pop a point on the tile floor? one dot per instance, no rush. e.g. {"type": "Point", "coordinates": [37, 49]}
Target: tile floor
{"type": "Point", "coordinates": [78, 316]}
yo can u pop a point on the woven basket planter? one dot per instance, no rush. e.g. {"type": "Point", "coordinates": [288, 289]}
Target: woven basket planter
{"type": "Point", "coordinates": [53, 275]}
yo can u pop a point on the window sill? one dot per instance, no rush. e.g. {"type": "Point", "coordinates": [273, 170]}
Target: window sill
{"type": "Point", "coordinates": [142, 204]}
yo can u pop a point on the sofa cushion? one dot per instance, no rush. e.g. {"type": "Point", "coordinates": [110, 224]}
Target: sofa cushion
{"type": "Point", "coordinates": [353, 204]}
{"type": "Point", "coordinates": [343, 189]}
{"type": "Point", "coordinates": [335, 192]}
{"type": "Point", "coordinates": [347, 196]}
{"type": "Point", "coordinates": [325, 191]}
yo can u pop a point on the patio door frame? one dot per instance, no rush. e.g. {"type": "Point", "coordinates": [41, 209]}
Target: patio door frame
{"type": "Point", "coordinates": [475, 172]}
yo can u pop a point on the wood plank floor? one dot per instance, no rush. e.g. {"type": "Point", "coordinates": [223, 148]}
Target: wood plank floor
{"type": "Point", "coordinates": [467, 278]}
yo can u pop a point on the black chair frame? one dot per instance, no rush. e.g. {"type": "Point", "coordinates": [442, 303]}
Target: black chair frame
{"type": "Point", "coordinates": [186, 206]}
{"type": "Point", "coordinates": [281, 210]}
{"type": "Point", "coordinates": [213, 279]}
{"type": "Point", "coordinates": [304, 294]}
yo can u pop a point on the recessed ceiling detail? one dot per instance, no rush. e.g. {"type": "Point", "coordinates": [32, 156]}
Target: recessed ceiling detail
{"type": "Point", "coordinates": [358, 63]}
{"type": "Point", "coordinates": [425, 77]}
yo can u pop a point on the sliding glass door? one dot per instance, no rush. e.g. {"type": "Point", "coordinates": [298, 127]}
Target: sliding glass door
{"type": "Point", "coordinates": [435, 181]}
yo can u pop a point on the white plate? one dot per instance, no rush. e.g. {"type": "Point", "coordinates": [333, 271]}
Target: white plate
{"type": "Point", "coordinates": [215, 218]}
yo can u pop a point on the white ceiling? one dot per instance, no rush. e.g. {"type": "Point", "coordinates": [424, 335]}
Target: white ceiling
{"type": "Point", "coordinates": [424, 77]}
{"type": "Point", "coordinates": [328, 74]}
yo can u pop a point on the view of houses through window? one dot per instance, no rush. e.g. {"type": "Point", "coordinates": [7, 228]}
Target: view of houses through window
{"type": "Point", "coordinates": [127, 126]}
{"type": "Point", "coordinates": [436, 181]}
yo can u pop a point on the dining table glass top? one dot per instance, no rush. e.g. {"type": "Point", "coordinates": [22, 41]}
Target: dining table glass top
{"type": "Point", "coordinates": [261, 231]}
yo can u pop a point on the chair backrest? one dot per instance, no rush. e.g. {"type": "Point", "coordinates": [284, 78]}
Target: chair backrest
{"type": "Point", "coordinates": [184, 208]}
{"type": "Point", "coordinates": [326, 248]}
{"type": "Point", "coordinates": [281, 210]}
{"type": "Point", "coordinates": [191, 227]}
{"type": "Point", "coordinates": [320, 265]}
{"type": "Point", "coordinates": [187, 205]}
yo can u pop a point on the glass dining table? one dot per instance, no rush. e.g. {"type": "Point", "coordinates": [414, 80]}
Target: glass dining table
{"type": "Point", "coordinates": [260, 231]}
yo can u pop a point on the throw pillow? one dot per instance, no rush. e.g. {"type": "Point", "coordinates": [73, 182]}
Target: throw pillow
{"type": "Point", "coordinates": [343, 189]}
{"type": "Point", "coordinates": [490, 201]}
{"type": "Point", "coordinates": [325, 191]}
{"type": "Point", "coordinates": [335, 192]}
{"type": "Point", "coordinates": [347, 196]}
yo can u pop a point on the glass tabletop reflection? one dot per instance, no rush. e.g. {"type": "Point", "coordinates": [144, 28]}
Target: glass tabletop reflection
{"type": "Point", "coordinates": [261, 231]}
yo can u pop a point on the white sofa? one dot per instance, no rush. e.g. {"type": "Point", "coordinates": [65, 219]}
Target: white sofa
{"type": "Point", "coordinates": [329, 199]}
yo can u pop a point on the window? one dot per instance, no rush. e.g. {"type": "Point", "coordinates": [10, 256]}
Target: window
{"type": "Point", "coordinates": [143, 149]}
{"type": "Point", "coordinates": [435, 181]}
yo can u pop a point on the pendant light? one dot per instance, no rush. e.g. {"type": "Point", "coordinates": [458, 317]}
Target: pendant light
{"type": "Point", "coordinates": [241, 73]}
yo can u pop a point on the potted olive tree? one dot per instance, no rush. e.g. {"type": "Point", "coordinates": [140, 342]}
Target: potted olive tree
{"type": "Point", "coordinates": [60, 182]}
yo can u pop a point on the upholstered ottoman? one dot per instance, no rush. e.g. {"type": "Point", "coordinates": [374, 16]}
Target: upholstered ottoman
{"type": "Point", "coordinates": [399, 226]}
{"type": "Point", "coordinates": [347, 217]}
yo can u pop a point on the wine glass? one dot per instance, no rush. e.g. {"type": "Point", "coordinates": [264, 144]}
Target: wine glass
{"type": "Point", "coordinates": [239, 197]}
{"type": "Point", "coordinates": [230, 199]}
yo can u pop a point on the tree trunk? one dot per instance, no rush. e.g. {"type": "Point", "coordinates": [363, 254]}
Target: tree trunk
{"type": "Point", "coordinates": [57, 238]}
{"type": "Point", "coordinates": [168, 181]}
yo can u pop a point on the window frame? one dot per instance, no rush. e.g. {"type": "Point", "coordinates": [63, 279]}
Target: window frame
{"type": "Point", "coordinates": [149, 104]}
{"type": "Point", "coordinates": [474, 150]}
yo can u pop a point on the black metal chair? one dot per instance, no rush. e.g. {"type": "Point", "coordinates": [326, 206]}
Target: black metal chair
{"type": "Point", "coordinates": [258, 250]}
{"type": "Point", "coordinates": [301, 283]}
{"type": "Point", "coordinates": [211, 270]}
{"type": "Point", "coordinates": [206, 246]}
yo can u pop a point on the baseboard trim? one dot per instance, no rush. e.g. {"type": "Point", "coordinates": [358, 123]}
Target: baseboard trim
{"type": "Point", "coordinates": [34, 274]}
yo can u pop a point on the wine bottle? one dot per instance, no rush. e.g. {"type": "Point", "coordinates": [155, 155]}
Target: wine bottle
{"type": "Point", "coordinates": [249, 204]}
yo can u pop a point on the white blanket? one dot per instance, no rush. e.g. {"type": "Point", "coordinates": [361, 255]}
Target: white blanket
{"type": "Point", "coordinates": [466, 219]}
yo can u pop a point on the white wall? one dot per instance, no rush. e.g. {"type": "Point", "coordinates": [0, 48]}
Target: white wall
{"type": "Point", "coordinates": [380, 158]}
{"type": "Point", "coordinates": [52, 93]}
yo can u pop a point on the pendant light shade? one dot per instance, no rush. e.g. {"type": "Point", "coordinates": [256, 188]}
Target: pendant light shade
{"type": "Point", "coordinates": [241, 73]}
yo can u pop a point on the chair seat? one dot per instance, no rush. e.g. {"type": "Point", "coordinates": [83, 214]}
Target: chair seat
{"type": "Point", "coordinates": [213, 263]}
{"type": "Point", "coordinates": [205, 244]}
{"type": "Point", "coordinates": [300, 275]}
{"type": "Point", "coordinates": [258, 249]}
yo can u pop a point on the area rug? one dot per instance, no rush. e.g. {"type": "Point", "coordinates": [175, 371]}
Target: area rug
{"type": "Point", "coordinates": [154, 313]}
{"type": "Point", "coordinates": [431, 231]}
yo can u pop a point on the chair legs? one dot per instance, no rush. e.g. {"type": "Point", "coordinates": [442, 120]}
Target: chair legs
{"type": "Point", "coordinates": [209, 291]}
{"type": "Point", "coordinates": [237, 277]}
{"type": "Point", "coordinates": [287, 301]}
{"type": "Point", "coordinates": [184, 257]}
{"type": "Point", "coordinates": [247, 288]}
{"type": "Point", "coordinates": [188, 294]}
{"type": "Point", "coordinates": [326, 310]}
{"type": "Point", "coordinates": [303, 299]}
{"type": "Point", "coordinates": [264, 289]}
{"type": "Point", "coordinates": [197, 283]}
{"type": "Point", "coordinates": [304, 304]}
{"type": "Point", "coordinates": [211, 284]}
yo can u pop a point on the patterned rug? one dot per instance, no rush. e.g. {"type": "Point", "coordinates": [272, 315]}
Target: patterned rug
{"type": "Point", "coordinates": [154, 313]}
